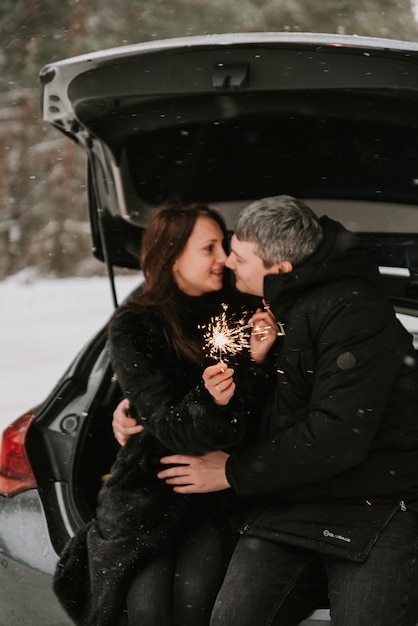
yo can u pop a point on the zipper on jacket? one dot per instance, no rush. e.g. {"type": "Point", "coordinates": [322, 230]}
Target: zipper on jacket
{"type": "Point", "coordinates": [402, 505]}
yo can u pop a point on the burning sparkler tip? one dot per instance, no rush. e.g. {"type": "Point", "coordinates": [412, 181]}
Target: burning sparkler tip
{"type": "Point", "coordinates": [226, 337]}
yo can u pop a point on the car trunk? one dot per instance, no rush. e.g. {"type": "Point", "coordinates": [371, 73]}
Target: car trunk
{"type": "Point", "coordinates": [226, 119]}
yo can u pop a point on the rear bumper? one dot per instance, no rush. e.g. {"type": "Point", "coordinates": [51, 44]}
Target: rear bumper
{"type": "Point", "coordinates": [27, 562]}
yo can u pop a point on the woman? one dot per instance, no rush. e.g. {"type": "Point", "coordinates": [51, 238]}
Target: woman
{"type": "Point", "coordinates": [168, 550]}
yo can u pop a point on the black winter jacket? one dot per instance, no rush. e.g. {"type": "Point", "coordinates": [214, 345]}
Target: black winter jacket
{"type": "Point", "coordinates": [338, 446]}
{"type": "Point", "coordinates": [139, 515]}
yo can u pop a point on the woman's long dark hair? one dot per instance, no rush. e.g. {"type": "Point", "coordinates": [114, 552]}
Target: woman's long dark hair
{"type": "Point", "coordinates": [164, 239]}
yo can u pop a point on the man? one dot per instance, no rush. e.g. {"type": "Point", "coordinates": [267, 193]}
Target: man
{"type": "Point", "coordinates": [333, 474]}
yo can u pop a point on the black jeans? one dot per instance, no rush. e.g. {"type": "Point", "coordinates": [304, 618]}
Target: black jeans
{"type": "Point", "coordinates": [179, 587]}
{"type": "Point", "coordinates": [271, 584]}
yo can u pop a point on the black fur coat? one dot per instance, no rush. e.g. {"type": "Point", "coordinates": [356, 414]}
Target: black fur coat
{"type": "Point", "coordinates": [138, 514]}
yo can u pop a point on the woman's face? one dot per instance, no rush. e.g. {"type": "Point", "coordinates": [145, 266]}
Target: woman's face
{"type": "Point", "coordinates": [199, 267]}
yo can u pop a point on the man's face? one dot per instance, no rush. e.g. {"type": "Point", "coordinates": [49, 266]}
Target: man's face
{"type": "Point", "coordinates": [247, 266]}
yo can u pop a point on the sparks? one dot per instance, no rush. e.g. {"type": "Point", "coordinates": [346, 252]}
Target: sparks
{"type": "Point", "coordinates": [280, 325]}
{"type": "Point", "coordinates": [226, 337]}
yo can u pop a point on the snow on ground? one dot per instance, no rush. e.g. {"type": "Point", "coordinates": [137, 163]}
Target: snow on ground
{"type": "Point", "coordinates": [43, 324]}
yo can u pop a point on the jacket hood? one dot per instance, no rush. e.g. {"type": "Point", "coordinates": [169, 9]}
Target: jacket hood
{"type": "Point", "coordinates": [338, 257]}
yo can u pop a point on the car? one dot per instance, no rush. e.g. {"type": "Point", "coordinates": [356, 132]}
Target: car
{"type": "Point", "coordinates": [220, 119]}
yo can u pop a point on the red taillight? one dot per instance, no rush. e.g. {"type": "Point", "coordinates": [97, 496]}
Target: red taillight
{"type": "Point", "coordinates": [15, 471]}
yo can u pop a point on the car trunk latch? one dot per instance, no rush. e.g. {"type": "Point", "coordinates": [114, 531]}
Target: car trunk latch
{"type": "Point", "coordinates": [230, 77]}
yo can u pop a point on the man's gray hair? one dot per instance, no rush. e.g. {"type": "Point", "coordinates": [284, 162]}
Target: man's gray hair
{"type": "Point", "coordinates": [282, 227]}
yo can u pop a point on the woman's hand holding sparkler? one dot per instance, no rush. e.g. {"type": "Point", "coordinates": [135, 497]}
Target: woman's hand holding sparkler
{"type": "Point", "coordinates": [264, 333]}
{"type": "Point", "coordinates": [219, 382]}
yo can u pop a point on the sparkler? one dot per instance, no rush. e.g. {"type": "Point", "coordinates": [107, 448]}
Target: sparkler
{"type": "Point", "coordinates": [280, 325]}
{"type": "Point", "coordinates": [229, 336]}
{"type": "Point", "coordinates": [226, 336]}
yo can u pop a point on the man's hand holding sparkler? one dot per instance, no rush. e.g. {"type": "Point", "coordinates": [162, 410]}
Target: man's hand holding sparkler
{"type": "Point", "coordinates": [219, 382]}
{"type": "Point", "coordinates": [264, 333]}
